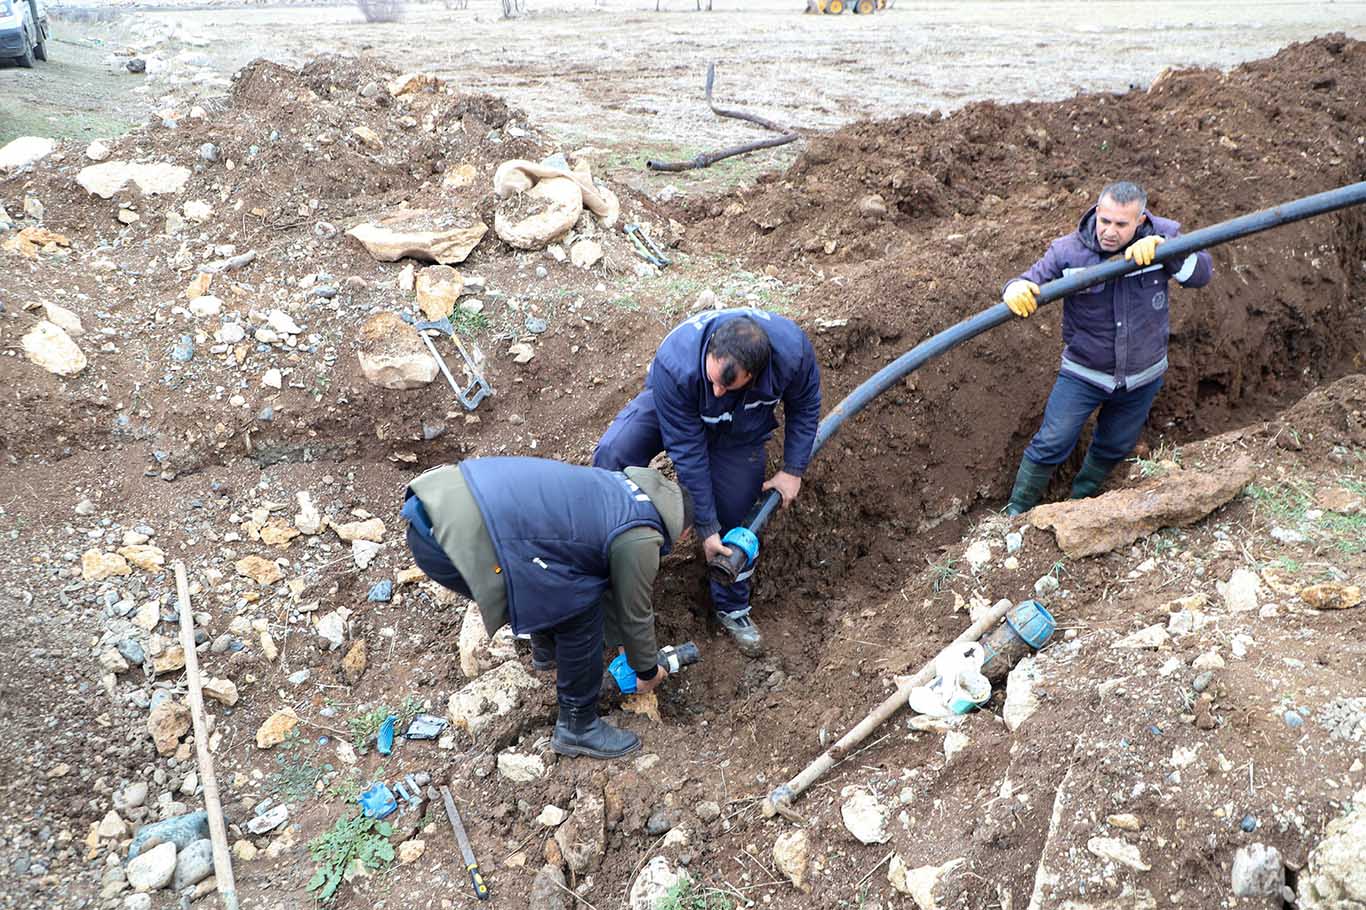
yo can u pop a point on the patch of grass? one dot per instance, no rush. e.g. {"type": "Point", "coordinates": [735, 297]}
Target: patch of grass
{"type": "Point", "coordinates": [468, 323]}
{"type": "Point", "coordinates": [350, 839]}
{"type": "Point", "coordinates": [1286, 564]}
{"type": "Point", "coordinates": [366, 725]}
{"type": "Point", "coordinates": [688, 895]}
{"type": "Point", "coordinates": [941, 573]}
{"type": "Point", "coordinates": [1348, 531]}
{"type": "Point", "coordinates": [1163, 542]}
{"type": "Point", "coordinates": [1286, 501]}
{"type": "Point", "coordinates": [1058, 570]}
{"type": "Point", "coordinates": [630, 304]}
{"type": "Point", "coordinates": [346, 787]}
{"type": "Point", "coordinates": [296, 778]}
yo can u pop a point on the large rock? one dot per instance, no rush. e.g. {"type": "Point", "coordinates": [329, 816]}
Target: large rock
{"type": "Point", "coordinates": [276, 727]}
{"type": "Point", "coordinates": [1085, 527]}
{"type": "Point", "coordinates": [97, 566]}
{"type": "Point", "coordinates": [153, 870]}
{"type": "Point", "coordinates": [492, 695]}
{"type": "Point", "coordinates": [864, 816]}
{"type": "Point", "coordinates": [520, 768]}
{"type": "Point", "coordinates": [438, 288]}
{"type": "Point", "coordinates": [652, 884]}
{"type": "Point", "coordinates": [49, 346]}
{"type": "Point", "coordinates": [109, 177]}
{"type": "Point", "coordinates": [145, 556]}
{"type": "Point", "coordinates": [920, 883]}
{"type": "Point", "coordinates": [223, 691]}
{"type": "Point", "coordinates": [583, 836]}
{"type": "Point", "coordinates": [261, 571]}
{"type": "Point", "coordinates": [181, 831]}
{"type": "Point", "coordinates": [392, 355]}
{"type": "Point", "coordinates": [1335, 877]}
{"type": "Point", "coordinates": [1331, 595]}
{"type": "Point", "coordinates": [792, 855]}
{"type": "Point", "coordinates": [421, 234]}
{"type": "Point", "coordinates": [194, 864]}
{"type": "Point", "coordinates": [167, 722]}
{"type": "Point", "coordinates": [24, 151]}
{"type": "Point", "coordinates": [63, 319]}
{"type": "Point", "coordinates": [1021, 699]}
{"type": "Point", "coordinates": [478, 652]}
{"type": "Point", "coordinates": [370, 529]}
{"type": "Point", "coordinates": [1259, 871]}
{"type": "Point", "coordinates": [548, 889]}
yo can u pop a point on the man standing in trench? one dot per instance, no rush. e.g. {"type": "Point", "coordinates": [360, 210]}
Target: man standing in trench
{"type": "Point", "coordinates": [557, 551]}
{"type": "Point", "coordinates": [1114, 335]}
{"type": "Point", "coordinates": [709, 399]}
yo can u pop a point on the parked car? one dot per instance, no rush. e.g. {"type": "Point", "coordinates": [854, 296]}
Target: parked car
{"type": "Point", "coordinates": [23, 31]}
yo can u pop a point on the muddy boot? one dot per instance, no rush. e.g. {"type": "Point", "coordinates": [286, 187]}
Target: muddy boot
{"type": "Point", "coordinates": [1092, 474]}
{"type": "Point", "coordinates": [744, 631]}
{"type": "Point", "coordinates": [1030, 482]}
{"type": "Point", "coordinates": [542, 652]}
{"type": "Point", "coordinates": [580, 731]}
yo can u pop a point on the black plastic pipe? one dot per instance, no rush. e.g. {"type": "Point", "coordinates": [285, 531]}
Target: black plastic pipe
{"type": "Point", "coordinates": [725, 570]}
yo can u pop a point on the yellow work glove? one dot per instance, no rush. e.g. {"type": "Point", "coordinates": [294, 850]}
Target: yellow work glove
{"type": "Point", "coordinates": [1022, 297]}
{"type": "Point", "coordinates": [1141, 251]}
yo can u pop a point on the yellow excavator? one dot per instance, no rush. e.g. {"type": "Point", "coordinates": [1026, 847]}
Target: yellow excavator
{"type": "Point", "coordinates": [835, 7]}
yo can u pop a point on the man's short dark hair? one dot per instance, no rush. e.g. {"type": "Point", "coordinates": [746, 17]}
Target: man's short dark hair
{"type": "Point", "coordinates": [739, 342]}
{"type": "Point", "coordinates": [1124, 192]}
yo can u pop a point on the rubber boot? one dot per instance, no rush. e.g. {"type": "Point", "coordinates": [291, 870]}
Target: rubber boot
{"type": "Point", "coordinates": [1030, 482]}
{"type": "Point", "coordinates": [580, 731]}
{"type": "Point", "coordinates": [744, 631]}
{"type": "Point", "coordinates": [542, 652]}
{"type": "Point", "coordinates": [1092, 474]}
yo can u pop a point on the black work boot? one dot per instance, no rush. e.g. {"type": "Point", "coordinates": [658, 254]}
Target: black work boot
{"type": "Point", "coordinates": [1030, 482]}
{"type": "Point", "coordinates": [744, 631]}
{"type": "Point", "coordinates": [580, 731]}
{"type": "Point", "coordinates": [1092, 474]}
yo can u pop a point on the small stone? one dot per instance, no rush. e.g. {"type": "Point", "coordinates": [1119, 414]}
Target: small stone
{"type": "Point", "coordinates": [1118, 851]}
{"type": "Point", "coordinates": [111, 826]}
{"type": "Point", "coordinates": [1257, 871]}
{"type": "Point", "coordinates": [522, 352]}
{"type": "Point", "coordinates": [708, 811]}
{"type": "Point", "coordinates": [244, 850]}
{"type": "Point", "coordinates": [520, 768]}
{"type": "Point", "coordinates": [654, 883]}
{"type": "Point", "coordinates": [1241, 591]}
{"type": "Point", "coordinates": [585, 253]}
{"type": "Point", "coordinates": [371, 529]}
{"type": "Point", "coordinates": [194, 864]}
{"type": "Point", "coordinates": [261, 571]}
{"type": "Point", "coordinates": [353, 664]}
{"type": "Point", "coordinates": [223, 691]}
{"type": "Point", "coordinates": [381, 592]}
{"type": "Point", "coordinates": [63, 319]}
{"type": "Point", "coordinates": [1151, 638]}
{"type": "Point", "coordinates": [1123, 821]}
{"type": "Point", "coordinates": [1331, 596]}
{"type": "Point", "coordinates": [273, 379]}
{"type": "Point", "coordinates": [1293, 719]}
{"type": "Point", "coordinates": [1210, 660]}
{"type": "Point", "coordinates": [97, 150]}
{"type": "Point", "coordinates": [410, 851]}
{"type": "Point", "coordinates": [1248, 824]}
{"type": "Point", "coordinates": [168, 722]}
{"type": "Point", "coordinates": [1045, 586]}
{"type": "Point", "coordinates": [792, 855]}
{"type": "Point", "coordinates": [864, 816]}
{"type": "Point", "coordinates": [1014, 540]}
{"type": "Point", "coordinates": [276, 728]}
{"type": "Point", "coordinates": [551, 816]}
{"type": "Point", "coordinates": [1202, 681]}
{"type": "Point", "coordinates": [659, 823]}
{"type": "Point", "coordinates": [363, 552]}
{"type": "Point", "coordinates": [332, 630]}
{"type": "Point", "coordinates": [208, 151]}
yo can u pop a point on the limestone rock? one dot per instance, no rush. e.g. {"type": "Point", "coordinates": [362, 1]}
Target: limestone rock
{"type": "Point", "coordinates": [276, 728]}
{"type": "Point", "coordinates": [153, 870]}
{"type": "Point", "coordinates": [519, 768]}
{"type": "Point", "coordinates": [332, 629]}
{"type": "Point", "coordinates": [107, 178]}
{"type": "Point", "coordinates": [551, 816]}
{"type": "Point", "coordinates": [1241, 591]}
{"type": "Point", "coordinates": [792, 855]}
{"type": "Point", "coordinates": [369, 529]}
{"type": "Point", "coordinates": [97, 150]}
{"type": "Point", "coordinates": [492, 695]}
{"type": "Point", "coordinates": [261, 571]}
{"type": "Point", "coordinates": [410, 851]}
{"type": "Point", "coordinates": [167, 722]}
{"type": "Point", "coordinates": [223, 691]}
{"type": "Point", "coordinates": [1085, 527]}
{"type": "Point", "coordinates": [1150, 638]}
{"type": "Point", "coordinates": [51, 348]}
{"type": "Point", "coordinates": [368, 138]}
{"type": "Point", "coordinates": [307, 520]}
{"type": "Point", "coordinates": [145, 556]}
{"type": "Point", "coordinates": [244, 850]}
{"type": "Point", "coordinates": [97, 566]}
{"type": "Point", "coordinates": [63, 319]}
{"type": "Point", "coordinates": [479, 653]}
{"type": "Point", "coordinates": [353, 664]}
{"type": "Point", "coordinates": [279, 533]}
{"type": "Point", "coordinates": [413, 83]}
{"type": "Point", "coordinates": [169, 661]}
{"type": "Point", "coordinates": [585, 253]}
{"type": "Point", "coordinates": [194, 864]}
{"type": "Point", "coordinates": [920, 883]}
{"type": "Point", "coordinates": [548, 889]}
{"type": "Point", "coordinates": [438, 288]}
{"type": "Point", "coordinates": [653, 882]}
{"type": "Point", "coordinates": [111, 827]}
{"type": "Point", "coordinates": [1331, 595]}
{"type": "Point", "coordinates": [392, 355]}
{"type": "Point", "coordinates": [1021, 699]}
{"type": "Point", "coordinates": [363, 552]}
{"type": "Point", "coordinates": [1118, 851]}
{"type": "Point", "coordinates": [1259, 871]}
{"type": "Point", "coordinates": [24, 151]}
{"type": "Point", "coordinates": [1335, 877]}
{"type": "Point", "coordinates": [864, 816]}
{"type": "Point", "coordinates": [420, 234]}
{"type": "Point", "coordinates": [583, 836]}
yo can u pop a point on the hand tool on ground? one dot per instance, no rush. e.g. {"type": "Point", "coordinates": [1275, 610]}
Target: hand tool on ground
{"type": "Point", "coordinates": [671, 657]}
{"type": "Point", "coordinates": [743, 541]}
{"type": "Point", "coordinates": [647, 248]}
{"type": "Point", "coordinates": [478, 388]}
{"type": "Point", "coordinates": [218, 831]}
{"type": "Point", "coordinates": [481, 890]}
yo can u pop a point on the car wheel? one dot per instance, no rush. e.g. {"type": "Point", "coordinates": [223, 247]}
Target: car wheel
{"type": "Point", "coordinates": [25, 59]}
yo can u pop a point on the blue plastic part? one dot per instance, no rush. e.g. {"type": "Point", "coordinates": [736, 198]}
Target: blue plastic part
{"type": "Point", "coordinates": [385, 741]}
{"type": "Point", "coordinates": [377, 801]}
{"type": "Point", "coordinates": [746, 540]}
{"type": "Point", "coordinates": [1032, 622]}
{"type": "Point", "coordinates": [381, 592]}
{"type": "Point", "coordinates": [623, 674]}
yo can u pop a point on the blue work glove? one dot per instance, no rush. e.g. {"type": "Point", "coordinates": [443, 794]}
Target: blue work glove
{"type": "Point", "coordinates": [621, 671]}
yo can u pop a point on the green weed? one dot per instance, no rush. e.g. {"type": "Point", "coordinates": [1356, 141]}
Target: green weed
{"type": "Point", "coordinates": [941, 573]}
{"type": "Point", "coordinates": [688, 895]}
{"type": "Point", "coordinates": [367, 725]}
{"type": "Point", "coordinates": [296, 778]}
{"type": "Point", "coordinates": [351, 839]}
